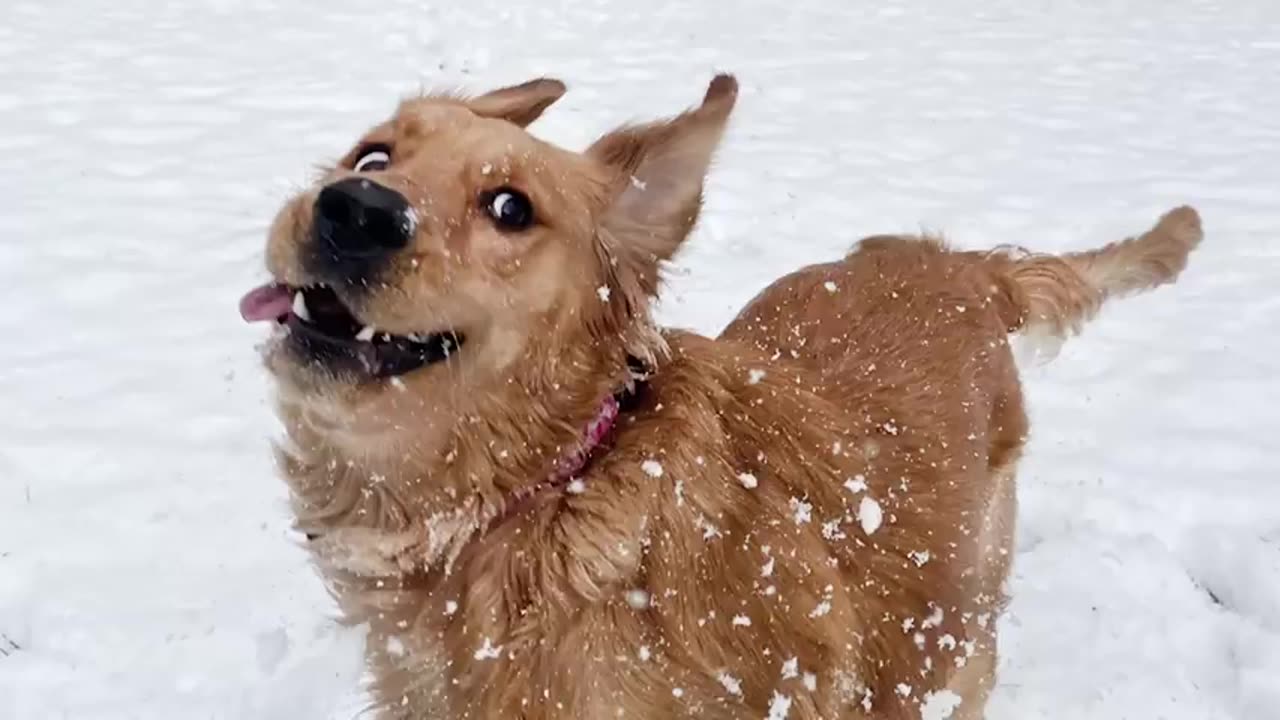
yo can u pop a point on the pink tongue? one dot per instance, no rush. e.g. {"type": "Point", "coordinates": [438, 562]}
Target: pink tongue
{"type": "Point", "coordinates": [268, 302]}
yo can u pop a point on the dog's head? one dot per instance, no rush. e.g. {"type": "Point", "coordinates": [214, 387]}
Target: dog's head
{"type": "Point", "coordinates": [450, 245]}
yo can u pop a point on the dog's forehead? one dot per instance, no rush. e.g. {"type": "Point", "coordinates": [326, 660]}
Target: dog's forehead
{"type": "Point", "coordinates": [439, 117]}
{"type": "Point", "coordinates": [431, 114]}
{"type": "Point", "coordinates": [448, 124]}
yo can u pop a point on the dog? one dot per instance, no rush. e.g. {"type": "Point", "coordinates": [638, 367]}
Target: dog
{"type": "Point", "coordinates": [544, 506]}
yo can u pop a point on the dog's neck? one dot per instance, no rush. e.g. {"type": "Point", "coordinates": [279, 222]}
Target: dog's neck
{"type": "Point", "coordinates": [401, 507]}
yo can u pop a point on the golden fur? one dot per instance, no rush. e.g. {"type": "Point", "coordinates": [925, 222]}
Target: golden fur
{"type": "Point", "coordinates": [814, 510]}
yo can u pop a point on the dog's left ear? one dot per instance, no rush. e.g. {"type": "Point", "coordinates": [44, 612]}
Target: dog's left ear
{"type": "Point", "coordinates": [520, 104]}
{"type": "Point", "coordinates": [658, 172]}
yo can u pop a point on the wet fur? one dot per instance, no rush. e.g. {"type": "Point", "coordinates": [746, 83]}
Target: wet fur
{"type": "Point", "coordinates": [884, 375]}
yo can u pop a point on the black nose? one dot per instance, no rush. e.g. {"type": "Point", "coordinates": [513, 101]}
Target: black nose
{"type": "Point", "coordinates": [357, 219]}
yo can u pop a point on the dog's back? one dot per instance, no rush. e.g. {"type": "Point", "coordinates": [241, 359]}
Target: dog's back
{"type": "Point", "coordinates": [929, 327]}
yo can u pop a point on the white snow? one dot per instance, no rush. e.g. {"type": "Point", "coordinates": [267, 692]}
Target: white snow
{"type": "Point", "coordinates": [779, 706]}
{"type": "Point", "coordinates": [748, 480]}
{"type": "Point", "coordinates": [652, 468]}
{"type": "Point", "coordinates": [801, 510]}
{"type": "Point", "coordinates": [939, 705]}
{"type": "Point", "coordinates": [791, 668]}
{"type": "Point", "coordinates": [870, 515]}
{"type": "Point", "coordinates": [147, 566]}
{"type": "Point", "coordinates": [730, 683]}
{"type": "Point", "coordinates": [488, 651]}
{"type": "Point", "coordinates": [638, 599]}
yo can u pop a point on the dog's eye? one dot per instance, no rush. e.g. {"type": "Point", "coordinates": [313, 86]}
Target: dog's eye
{"type": "Point", "coordinates": [373, 160]}
{"type": "Point", "coordinates": [509, 208]}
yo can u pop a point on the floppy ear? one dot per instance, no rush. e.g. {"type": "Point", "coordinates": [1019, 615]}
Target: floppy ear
{"type": "Point", "coordinates": [658, 170]}
{"type": "Point", "coordinates": [520, 104]}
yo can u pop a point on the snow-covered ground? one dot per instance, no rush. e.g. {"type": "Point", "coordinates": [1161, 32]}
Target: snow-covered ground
{"type": "Point", "coordinates": [146, 565]}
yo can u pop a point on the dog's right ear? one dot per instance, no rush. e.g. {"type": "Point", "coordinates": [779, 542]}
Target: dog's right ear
{"type": "Point", "coordinates": [520, 104]}
{"type": "Point", "coordinates": [657, 172]}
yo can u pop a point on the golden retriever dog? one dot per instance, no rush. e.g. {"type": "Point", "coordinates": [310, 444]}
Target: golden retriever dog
{"type": "Point", "coordinates": [544, 506]}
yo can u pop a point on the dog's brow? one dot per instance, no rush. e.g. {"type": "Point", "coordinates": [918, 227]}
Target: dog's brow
{"type": "Point", "coordinates": [425, 117]}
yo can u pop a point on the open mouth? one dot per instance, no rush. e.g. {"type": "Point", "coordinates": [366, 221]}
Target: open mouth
{"type": "Point", "coordinates": [324, 330]}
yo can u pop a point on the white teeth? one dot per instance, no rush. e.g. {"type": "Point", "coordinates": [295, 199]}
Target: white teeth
{"type": "Point", "coordinates": [300, 306]}
{"type": "Point", "coordinates": [366, 333]}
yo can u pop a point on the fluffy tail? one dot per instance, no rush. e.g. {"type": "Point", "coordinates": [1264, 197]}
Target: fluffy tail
{"type": "Point", "coordinates": [1054, 295]}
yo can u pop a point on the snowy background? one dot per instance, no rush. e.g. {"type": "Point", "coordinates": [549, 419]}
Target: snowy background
{"type": "Point", "coordinates": [146, 565]}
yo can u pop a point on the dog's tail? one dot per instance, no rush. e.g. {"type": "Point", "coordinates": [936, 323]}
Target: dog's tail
{"type": "Point", "coordinates": [1052, 296]}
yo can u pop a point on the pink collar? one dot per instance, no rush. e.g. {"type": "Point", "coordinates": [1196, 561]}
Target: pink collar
{"type": "Point", "coordinates": [575, 461]}
{"type": "Point", "coordinates": [571, 464]}
{"type": "Point", "coordinates": [596, 431]}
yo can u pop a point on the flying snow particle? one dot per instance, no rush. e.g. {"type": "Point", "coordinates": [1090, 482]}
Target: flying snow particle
{"type": "Point", "coordinates": [870, 515]}
{"type": "Point", "coordinates": [791, 668]}
{"type": "Point", "coordinates": [603, 293]}
{"type": "Point", "coordinates": [488, 651]}
{"type": "Point", "coordinates": [754, 376]}
{"type": "Point", "coordinates": [939, 705]}
{"type": "Point", "coordinates": [576, 486]}
{"type": "Point", "coordinates": [779, 706]}
{"type": "Point", "coordinates": [741, 621]}
{"type": "Point", "coordinates": [395, 647]}
{"type": "Point", "coordinates": [831, 530]}
{"type": "Point", "coordinates": [801, 511]}
{"type": "Point", "coordinates": [450, 607]}
{"type": "Point", "coordinates": [823, 608]}
{"type": "Point", "coordinates": [645, 653]}
{"type": "Point", "coordinates": [810, 682]}
{"type": "Point", "coordinates": [748, 480]}
{"type": "Point", "coordinates": [935, 617]}
{"type": "Point", "coordinates": [830, 286]}
{"type": "Point", "coordinates": [730, 683]}
{"type": "Point", "coordinates": [638, 599]}
{"type": "Point", "coordinates": [857, 484]}
{"type": "Point", "coordinates": [652, 468]}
